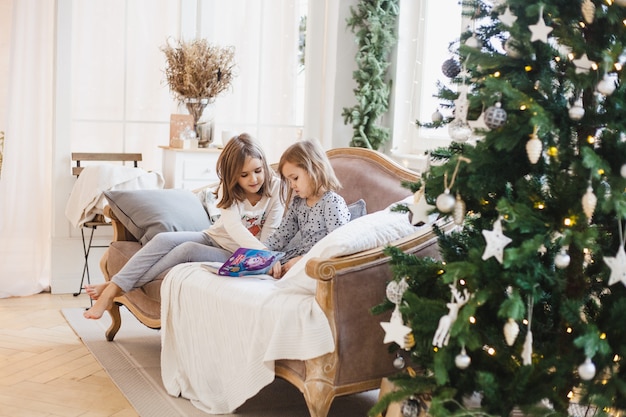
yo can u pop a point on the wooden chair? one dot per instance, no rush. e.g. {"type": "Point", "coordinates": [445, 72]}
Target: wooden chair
{"type": "Point", "coordinates": [99, 220]}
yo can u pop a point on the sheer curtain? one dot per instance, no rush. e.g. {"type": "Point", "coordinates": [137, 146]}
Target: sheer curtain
{"type": "Point", "coordinates": [25, 181]}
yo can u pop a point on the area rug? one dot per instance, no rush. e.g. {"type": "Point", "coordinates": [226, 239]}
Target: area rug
{"type": "Point", "coordinates": [132, 361]}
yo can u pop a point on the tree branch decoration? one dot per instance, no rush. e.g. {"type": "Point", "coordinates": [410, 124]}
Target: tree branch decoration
{"type": "Point", "coordinates": [374, 24]}
{"type": "Point", "coordinates": [197, 69]}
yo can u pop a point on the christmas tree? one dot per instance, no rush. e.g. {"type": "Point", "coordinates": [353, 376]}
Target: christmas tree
{"type": "Point", "coordinates": [524, 311]}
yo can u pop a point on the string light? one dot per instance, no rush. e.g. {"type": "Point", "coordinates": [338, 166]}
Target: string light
{"type": "Point", "coordinates": [553, 151]}
{"type": "Point", "coordinates": [523, 107]}
{"type": "Point", "coordinates": [568, 222]}
{"type": "Point", "coordinates": [591, 140]}
{"type": "Point", "coordinates": [496, 74]}
{"type": "Point", "coordinates": [528, 68]}
{"type": "Point", "coordinates": [491, 351]}
{"type": "Point", "coordinates": [472, 320]}
{"type": "Point", "coordinates": [569, 330]}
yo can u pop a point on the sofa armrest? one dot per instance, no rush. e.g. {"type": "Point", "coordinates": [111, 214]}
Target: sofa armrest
{"type": "Point", "coordinates": [120, 232]}
{"type": "Point", "coordinates": [325, 269]}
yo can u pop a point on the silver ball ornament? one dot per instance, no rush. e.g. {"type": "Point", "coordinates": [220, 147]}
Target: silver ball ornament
{"type": "Point", "coordinates": [495, 116]}
{"type": "Point", "coordinates": [577, 111]}
{"type": "Point", "coordinates": [459, 130]}
{"type": "Point", "coordinates": [445, 202]}
{"type": "Point", "coordinates": [451, 68]}
{"type": "Point", "coordinates": [473, 42]}
{"type": "Point", "coordinates": [462, 360]}
{"type": "Point", "coordinates": [607, 85]}
{"type": "Point", "coordinates": [399, 362]}
{"type": "Point", "coordinates": [395, 290]}
{"type": "Point", "coordinates": [437, 117]}
{"type": "Point", "coordinates": [411, 408]}
{"type": "Point", "coordinates": [622, 171]}
{"type": "Point", "coordinates": [587, 370]}
{"type": "Point", "coordinates": [510, 46]}
{"type": "Point", "coordinates": [562, 259]}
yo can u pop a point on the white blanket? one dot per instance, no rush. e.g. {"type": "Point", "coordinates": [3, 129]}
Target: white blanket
{"type": "Point", "coordinates": [87, 199]}
{"type": "Point", "coordinates": [221, 335]}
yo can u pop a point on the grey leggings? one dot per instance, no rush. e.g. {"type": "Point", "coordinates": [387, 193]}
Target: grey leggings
{"type": "Point", "coordinates": [164, 251]}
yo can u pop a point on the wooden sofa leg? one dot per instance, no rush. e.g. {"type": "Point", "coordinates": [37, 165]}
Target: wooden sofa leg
{"type": "Point", "coordinates": [318, 396]}
{"type": "Point", "coordinates": [116, 322]}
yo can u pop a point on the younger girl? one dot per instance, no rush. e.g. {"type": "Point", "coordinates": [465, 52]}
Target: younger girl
{"type": "Point", "coordinates": [251, 209]}
{"type": "Point", "coordinates": [315, 210]}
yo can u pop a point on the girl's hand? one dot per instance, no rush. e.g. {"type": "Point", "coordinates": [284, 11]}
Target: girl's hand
{"type": "Point", "coordinates": [287, 265]}
{"type": "Point", "coordinates": [276, 270]}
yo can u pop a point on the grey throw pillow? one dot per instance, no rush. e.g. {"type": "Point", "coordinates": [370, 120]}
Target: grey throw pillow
{"type": "Point", "coordinates": [148, 212]}
{"type": "Point", "coordinates": [357, 209]}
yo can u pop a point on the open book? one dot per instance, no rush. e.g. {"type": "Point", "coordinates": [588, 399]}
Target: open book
{"type": "Point", "coordinates": [245, 261]}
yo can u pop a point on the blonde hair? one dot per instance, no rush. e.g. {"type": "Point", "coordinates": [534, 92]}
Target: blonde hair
{"type": "Point", "coordinates": [309, 155]}
{"type": "Point", "coordinates": [230, 164]}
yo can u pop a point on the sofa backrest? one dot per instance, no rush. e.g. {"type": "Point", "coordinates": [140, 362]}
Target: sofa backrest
{"type": "Point", "coordinates": [370, 175]}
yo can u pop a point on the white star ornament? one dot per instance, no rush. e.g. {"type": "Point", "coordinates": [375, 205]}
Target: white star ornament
{"type": "Point", "coordinates": [583, 64]}
{"type": "Point", "coordinates": [496, 242]}
{"type": "Point", "coordinates": [508, 18]}
{"type": "Point", "coordinates": [540, 31]}
{"type": "Point", "coordinates": [618, 267]}
{"type": "Point", "coordinates": [395, 331]}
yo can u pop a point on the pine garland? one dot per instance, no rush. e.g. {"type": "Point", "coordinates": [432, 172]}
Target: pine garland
{"type": "Point", "coordinates": [374, 24]}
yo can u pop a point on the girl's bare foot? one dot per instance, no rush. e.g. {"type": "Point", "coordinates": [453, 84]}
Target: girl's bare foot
{"type": "Point", "coordinates": [104, 301]}
{"type": "Point", "coordinates": [94, 291]}
{"type": "Point", "coordinates": [97, 310]}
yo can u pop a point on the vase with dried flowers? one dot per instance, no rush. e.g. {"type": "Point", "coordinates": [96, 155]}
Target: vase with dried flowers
{"type": "Point", "coordinates": [196, 73]}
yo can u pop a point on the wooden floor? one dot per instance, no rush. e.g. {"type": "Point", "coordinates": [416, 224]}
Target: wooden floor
{"type": "Point", "coordinates": [45, 370]}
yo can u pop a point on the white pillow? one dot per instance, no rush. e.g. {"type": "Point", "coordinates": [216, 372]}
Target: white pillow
{"type": "Point", "coordinates": [367, 232]}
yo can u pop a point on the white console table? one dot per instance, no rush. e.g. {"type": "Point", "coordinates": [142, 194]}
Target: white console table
{"type": "Point", "coordinates": [189, 168]}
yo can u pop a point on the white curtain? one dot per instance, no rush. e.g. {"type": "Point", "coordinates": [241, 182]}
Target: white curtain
{"type": "Point", "coordinates": [25, 180]}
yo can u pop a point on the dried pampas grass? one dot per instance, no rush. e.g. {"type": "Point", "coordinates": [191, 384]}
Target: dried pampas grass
{"type": "Point", "coordinates": [197, 69]}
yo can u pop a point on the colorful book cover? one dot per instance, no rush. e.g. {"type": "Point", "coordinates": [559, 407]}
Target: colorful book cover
{"type": "Point", "coordinates": [245, 261]}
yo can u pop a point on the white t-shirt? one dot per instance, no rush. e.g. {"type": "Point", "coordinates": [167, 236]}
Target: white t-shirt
{"type": "Point", "coordinates": [244, 225]}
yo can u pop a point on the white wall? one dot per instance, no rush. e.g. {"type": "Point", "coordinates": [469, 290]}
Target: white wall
{"type": "Point", "coordinates": [330, 62]}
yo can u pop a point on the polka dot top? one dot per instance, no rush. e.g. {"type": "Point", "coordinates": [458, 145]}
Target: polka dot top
{"type": "Point", "coordinates": [313, 223]}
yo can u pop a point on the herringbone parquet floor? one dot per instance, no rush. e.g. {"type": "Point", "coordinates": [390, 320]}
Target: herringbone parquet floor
{"type": "Point", "coordinates": [45, 370]}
